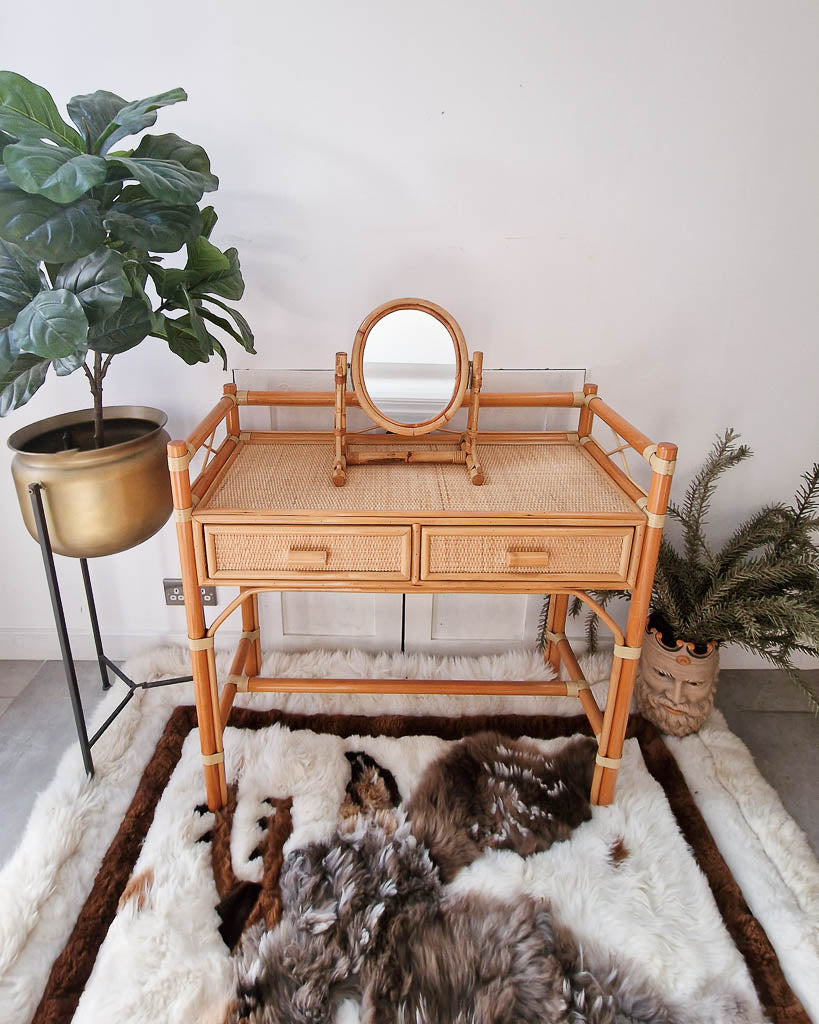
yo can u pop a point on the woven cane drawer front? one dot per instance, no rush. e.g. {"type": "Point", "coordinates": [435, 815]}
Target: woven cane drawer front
{"type": "Point", "coordinates": [550, 553]}
{"type": "Point", "coordinates": [285, 552]}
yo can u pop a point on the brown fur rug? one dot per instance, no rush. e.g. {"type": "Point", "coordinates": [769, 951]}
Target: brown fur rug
{"type": "Point", "coordinates": [373, 912]}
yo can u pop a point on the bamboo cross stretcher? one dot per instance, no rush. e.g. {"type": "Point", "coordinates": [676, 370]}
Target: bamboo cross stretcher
{"type": "Point", "coordinates": [239, 523]}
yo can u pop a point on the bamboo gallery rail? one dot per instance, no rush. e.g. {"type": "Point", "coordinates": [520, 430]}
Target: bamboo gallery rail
{"type": "Point", "coordinates": [250, 519]}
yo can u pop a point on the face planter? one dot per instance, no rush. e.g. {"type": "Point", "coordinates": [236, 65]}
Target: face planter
{"type": "Point", "coordinates": [675, 687]}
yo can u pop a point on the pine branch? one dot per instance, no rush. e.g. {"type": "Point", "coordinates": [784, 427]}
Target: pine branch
{"type": "Point", "coordinates": [764, 527]}
{"type": "Point", "coordinates": [724, 454]}
{"type": "Point", "coordinates": [802, 513]}
{"type": "Point", "coordinates": [806, 503]}
{"type": "Point", "coordinates": [675, 595]}
{"type": "Point", "coordinates": [541, 623]}
{"type": "Point", "coordinates": [796, 678]}
{"type": "Point", "coordinates": [774, 623]}
{"type": "Point", "coordinates": [751, 580]}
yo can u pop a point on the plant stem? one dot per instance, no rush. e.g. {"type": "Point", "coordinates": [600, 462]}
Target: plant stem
{"type": "Point", "coordinates": [96, 391]}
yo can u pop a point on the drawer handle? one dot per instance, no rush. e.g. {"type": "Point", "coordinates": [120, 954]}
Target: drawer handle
{"type": "Point", "coordinates": [527, 559]}
{"type": "Point", "coordinates": [306, 559]}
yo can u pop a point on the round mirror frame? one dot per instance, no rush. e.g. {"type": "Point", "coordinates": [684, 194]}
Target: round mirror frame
{"type": "Point", "coordinates": [461, 367]}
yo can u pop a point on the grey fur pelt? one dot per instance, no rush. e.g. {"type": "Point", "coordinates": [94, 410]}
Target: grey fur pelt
{"type": "Point", "coordinates": [489, 791]}
{"type": "Point", "coordinates": [366, 916]}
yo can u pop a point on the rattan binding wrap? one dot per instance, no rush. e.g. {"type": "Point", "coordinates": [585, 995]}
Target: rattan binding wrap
{"type": "Point", "coordinates": [475, 553]}
{"type": "Point", "coordinates": [264, 552]}
{"type": "Point", "coordinates": [526, 478]}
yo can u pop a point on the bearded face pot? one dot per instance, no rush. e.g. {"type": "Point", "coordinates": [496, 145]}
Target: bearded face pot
{"type": "Point", "coordinates": [676, 682]}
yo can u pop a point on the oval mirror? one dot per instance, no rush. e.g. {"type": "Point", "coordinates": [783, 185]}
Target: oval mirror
{"type": "Point", "coordinates": [410, 366]}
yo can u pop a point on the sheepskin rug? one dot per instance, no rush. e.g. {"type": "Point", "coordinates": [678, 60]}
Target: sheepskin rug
{"type": "Point", "coordinates": [619, 885]}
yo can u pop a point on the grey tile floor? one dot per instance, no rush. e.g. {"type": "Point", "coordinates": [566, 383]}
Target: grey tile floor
{"type": "Point", "coordinates": [770, 716]}
{"type": "Point", "coordinates": [36, 726]}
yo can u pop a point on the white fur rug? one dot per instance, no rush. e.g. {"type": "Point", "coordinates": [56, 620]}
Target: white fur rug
{"type": "Point", "coordinates": [169, 964]}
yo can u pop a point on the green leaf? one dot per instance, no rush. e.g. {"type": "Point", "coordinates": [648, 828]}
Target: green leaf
{"type": "Point", "coordinates": [196, 323]}
{"type": "Point", "coordinates": [6, 140]}
{"type": "Point", "coordinates": [55, 172]}
{"type": "Point", "coordinates": [98, 281]}
{"type": "Point", "coordinates": [168, 180]}
{"type": "Point", "coordinates": [133, 117]}
{"type": "Point", "coordinates": [209, 219]}
{"type": "Point", "coordinates": [228, 283]}
{"type": "Point", "coordinates": [167, 280]}
{"type": "Point", "coordinates": [171, 147]}
{"type": "Point", "coordinates": [136, 273]}
{"type": "Point", "coordinates": [205, 259]}
{"type": "Point", "coordinates": [150, 224]}
{"type": "Point", "coordinates": [20, 379]}
{"type": "Point", "coordinates": [8, 353]}
{"type": "Point", "coordinates": [19, 282]}
{"type": "Point", "coordinates": [245, 338]}
{"type": "Point", "coordinates": [28, 110]}
{"type": "Point", "coordinates": [226, 326]}
{"type": "Point", "coordinates": [112, 188]}
{"type": "Point", "coordinates": [218, 348]}
{"type": "Point", "coordinates": [94, 111]}
{"type": "Point", "coordinates": [46, 230]}
{"type": "Point", "coordinates": [131, 323]}
{"type": "Point", "coordinates": [62, 367]}
{"type": "Point", "coordinates": [51, 326]}
{"type": "Point", "coordinates": [129, 193]}
{"type": "Point", "coordinates": [183, 342]}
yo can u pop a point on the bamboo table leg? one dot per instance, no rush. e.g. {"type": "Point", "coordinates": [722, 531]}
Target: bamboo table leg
{"type": "Point", "coordinates": [555, 628]}
{"type": "Point", "coordinates": [250, 627]}
{"type": "Point", "coordinates": [624, 665]}
{"type": "Point", "coordinates": [202, 656]}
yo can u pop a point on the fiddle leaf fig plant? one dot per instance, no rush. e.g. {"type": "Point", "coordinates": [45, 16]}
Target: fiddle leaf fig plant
{"type": "Point", "coordinates": [83, 230]}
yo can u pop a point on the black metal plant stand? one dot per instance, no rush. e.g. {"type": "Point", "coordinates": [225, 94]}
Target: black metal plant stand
{"type": "Point", "coordinates": [103, 660]}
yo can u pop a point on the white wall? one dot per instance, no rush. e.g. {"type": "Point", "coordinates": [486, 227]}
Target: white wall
{"type": "Point", "coordinates": [630, 187]}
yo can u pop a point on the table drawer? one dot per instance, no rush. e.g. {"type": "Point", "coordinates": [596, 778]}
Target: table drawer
{"type": "Point", "coordinates": [537, 553]}
{"type": "Point", "coordinates": [320, 552]}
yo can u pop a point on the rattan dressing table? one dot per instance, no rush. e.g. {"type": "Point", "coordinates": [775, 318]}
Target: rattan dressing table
{"type": "Point", "coordinates": [420, 511]}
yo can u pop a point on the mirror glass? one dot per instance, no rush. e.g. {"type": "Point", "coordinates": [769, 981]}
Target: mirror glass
{"type": "Point", "coordinates": [409, 366]}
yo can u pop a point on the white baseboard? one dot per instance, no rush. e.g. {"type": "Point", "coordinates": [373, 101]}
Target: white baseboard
{"type": "Point", "coordinates": [43, 645]}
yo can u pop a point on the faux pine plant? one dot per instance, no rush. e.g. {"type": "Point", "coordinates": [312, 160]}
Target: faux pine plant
{"type": "Point", "coordinates": [83, 230]}
{"type": "Point", "coordinates": [759, 590]}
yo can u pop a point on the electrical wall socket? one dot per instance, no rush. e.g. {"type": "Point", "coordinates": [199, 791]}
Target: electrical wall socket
{"type": "Point", "coordinates": [175, 596]}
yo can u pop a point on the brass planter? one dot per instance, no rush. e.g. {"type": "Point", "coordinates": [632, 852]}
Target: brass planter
{"type": "Point", "coordinates": [97, 501]}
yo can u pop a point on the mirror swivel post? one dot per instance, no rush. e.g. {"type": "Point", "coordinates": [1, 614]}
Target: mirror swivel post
{"type": "Point", "coordinates": [469, 441]}
{"type": "Point", "coordinates": [340, 430]}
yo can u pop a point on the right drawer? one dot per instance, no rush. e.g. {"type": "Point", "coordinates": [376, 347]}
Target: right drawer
{"type": "Point", "coordinates": [594, 554]}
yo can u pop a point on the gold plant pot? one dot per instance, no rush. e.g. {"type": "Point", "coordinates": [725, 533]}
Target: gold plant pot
{"type": "Point", "coordinates": [97, 500]}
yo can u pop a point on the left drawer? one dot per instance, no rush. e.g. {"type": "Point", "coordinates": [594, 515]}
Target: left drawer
{"type": "Point", "coordinates": [319, 552]}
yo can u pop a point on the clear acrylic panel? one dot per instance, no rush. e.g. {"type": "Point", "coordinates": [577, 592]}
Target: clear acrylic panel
{"type": "Point", "coordinates": [321, 418]}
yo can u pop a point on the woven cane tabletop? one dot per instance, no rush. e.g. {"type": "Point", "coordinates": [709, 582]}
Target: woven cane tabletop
{"type": "Point", "coordinates": [525, 479]}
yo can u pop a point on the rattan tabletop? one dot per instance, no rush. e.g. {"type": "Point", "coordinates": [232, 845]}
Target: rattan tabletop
{"type": "Point", "coordinates": [521, 479]}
